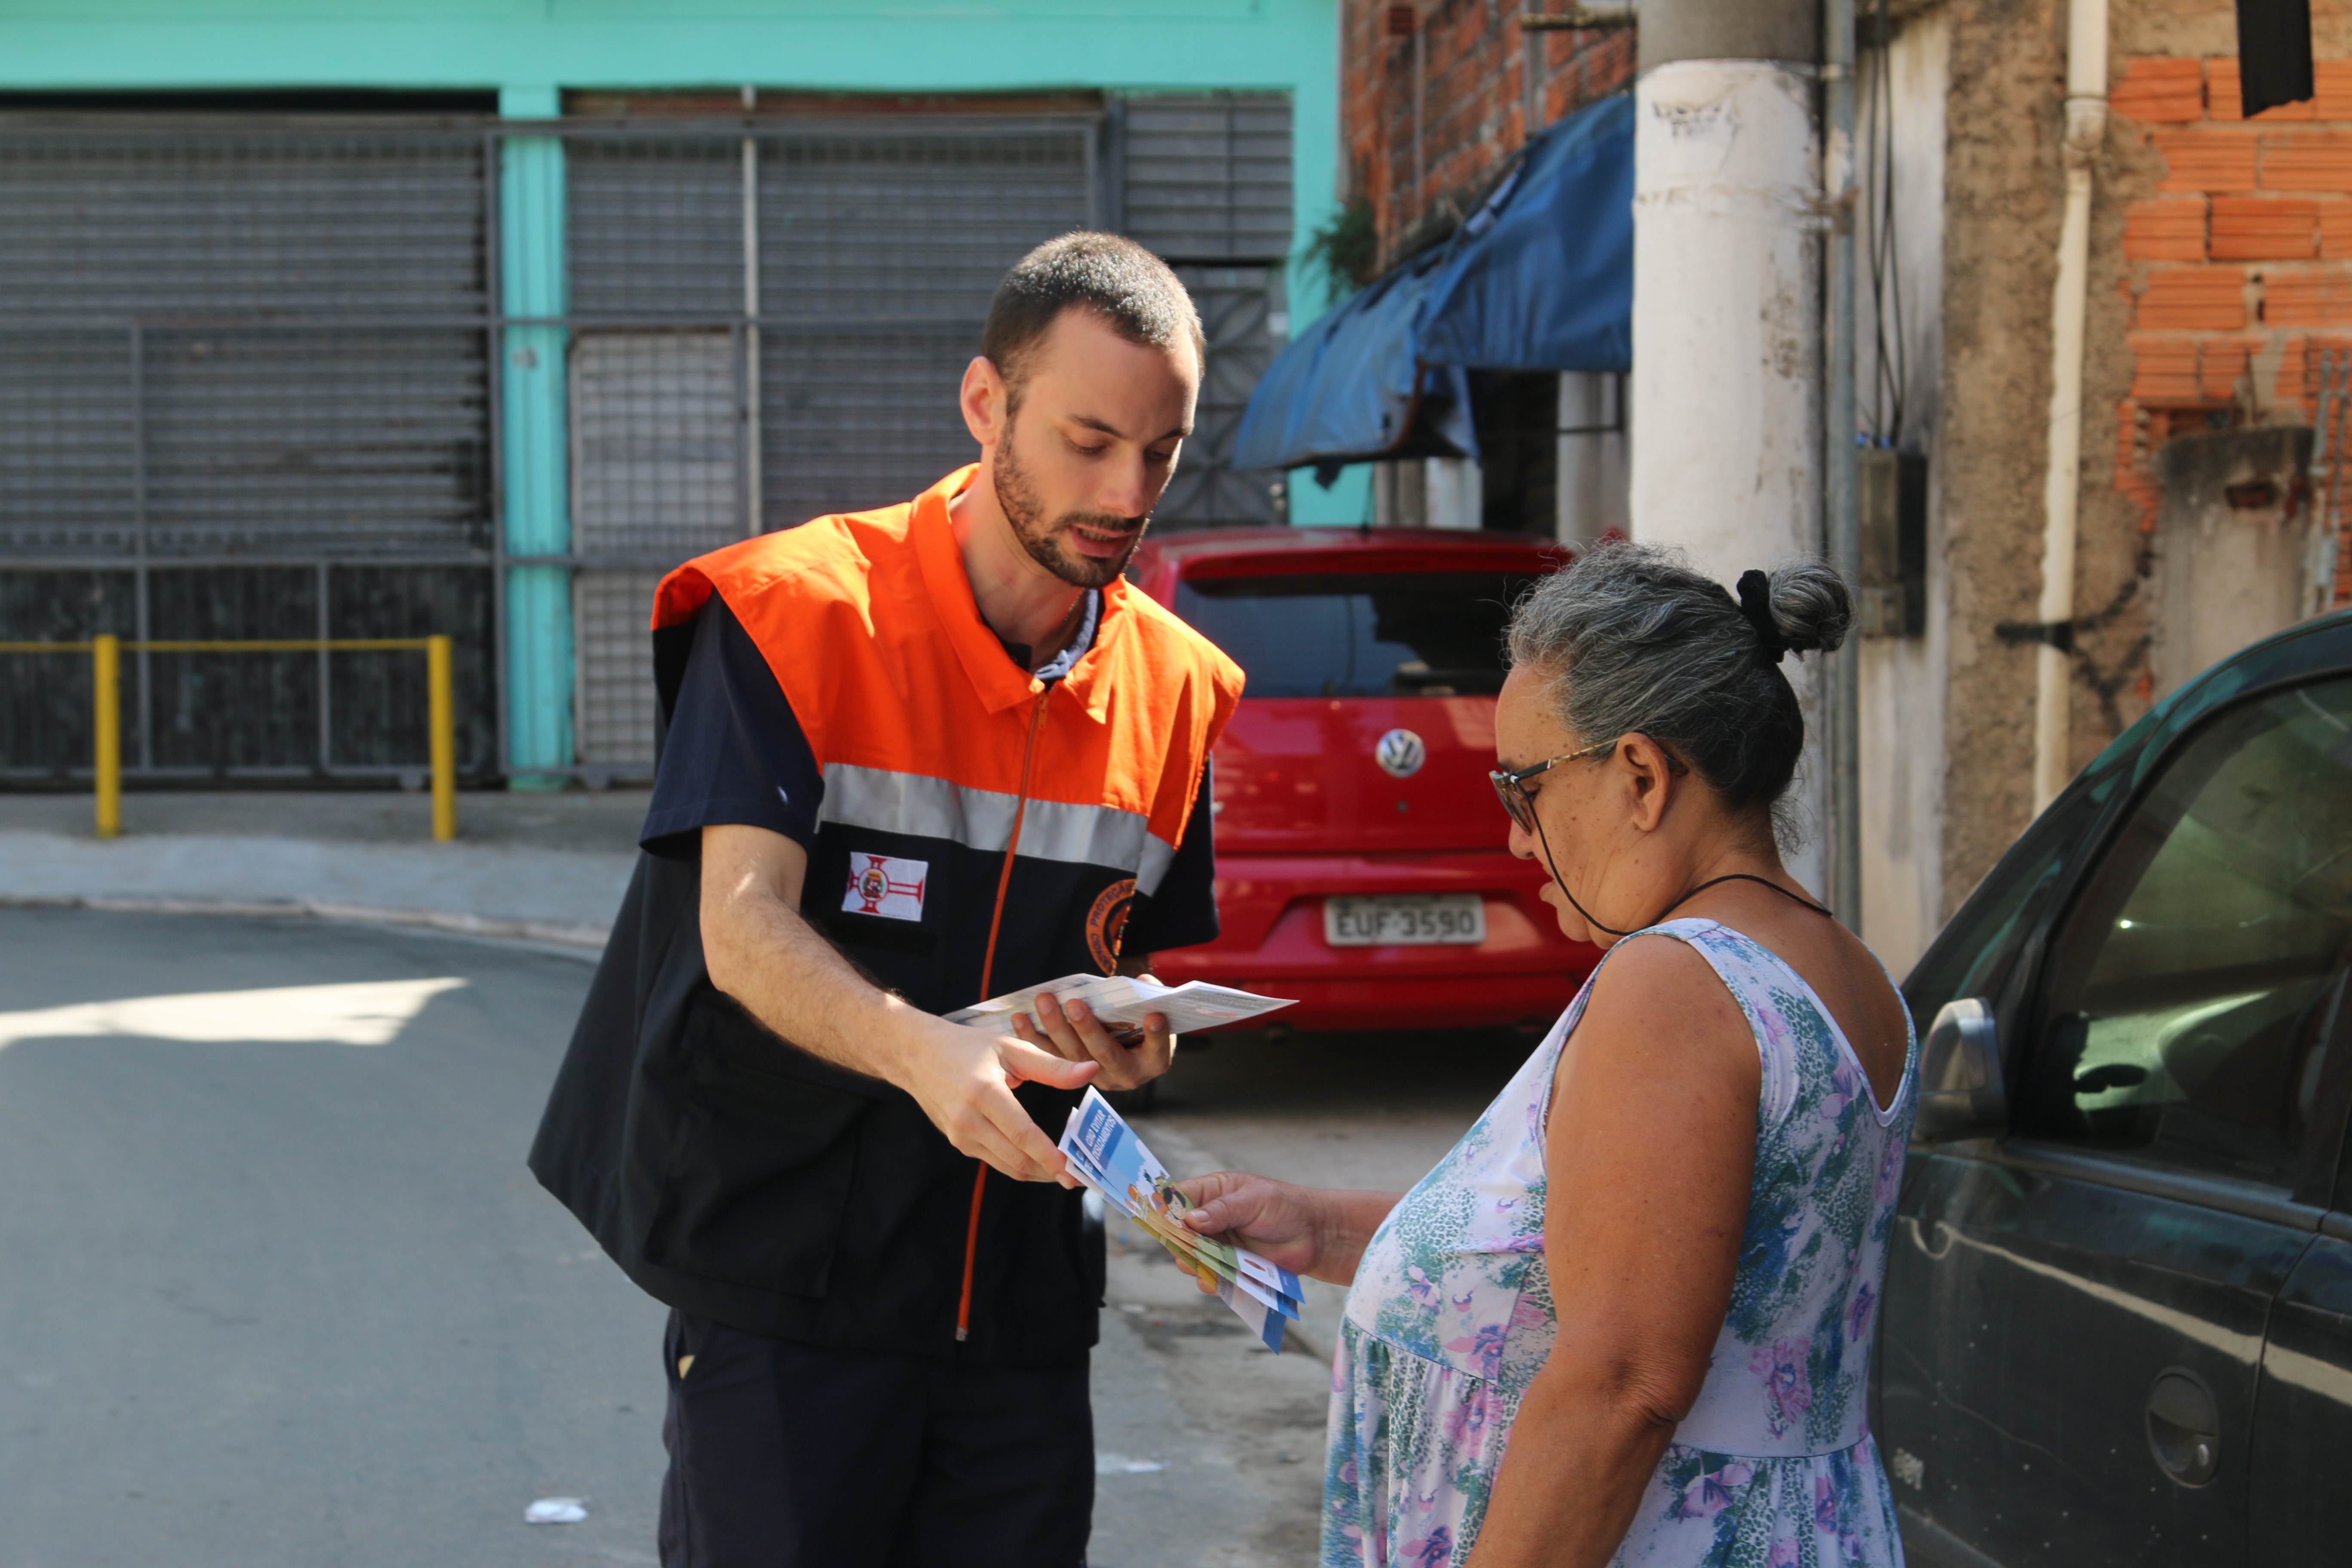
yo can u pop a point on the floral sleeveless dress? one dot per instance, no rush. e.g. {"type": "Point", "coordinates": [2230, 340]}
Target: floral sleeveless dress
{"type": "Point", "coordinates": [1451, 1316]}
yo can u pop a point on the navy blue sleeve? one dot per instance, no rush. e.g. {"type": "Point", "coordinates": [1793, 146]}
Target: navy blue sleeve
{"type": "Point", "coordinates": [733, 753]}
{"type": "Point", "coordinates": [1183, 913]}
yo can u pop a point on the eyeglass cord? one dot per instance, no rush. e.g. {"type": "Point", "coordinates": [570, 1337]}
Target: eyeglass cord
{"type": "Point", "coordinates": [1561, 884]}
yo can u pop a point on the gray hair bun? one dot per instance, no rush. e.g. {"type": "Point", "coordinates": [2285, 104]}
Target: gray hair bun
{"type": "Point", "coordinates": [1632, 638]}
{"type": "Point", "coordinates": [1811, 608]}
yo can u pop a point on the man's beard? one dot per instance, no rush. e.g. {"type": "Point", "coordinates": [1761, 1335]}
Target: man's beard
{"type": "Point", "coordinates": [1043, 540]}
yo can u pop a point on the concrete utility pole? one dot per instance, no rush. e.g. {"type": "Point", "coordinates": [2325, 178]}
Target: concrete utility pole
{"type": "Point", "coordinates": [1725, 390]}
{"type": "Point", "coordinates": [1840, 478]}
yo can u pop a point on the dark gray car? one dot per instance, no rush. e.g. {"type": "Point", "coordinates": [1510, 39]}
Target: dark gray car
{"type": "Point", "coordinates": [2118, 1321]}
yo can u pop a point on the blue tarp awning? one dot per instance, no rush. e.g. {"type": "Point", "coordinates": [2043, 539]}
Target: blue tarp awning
{"type": "Point", "coordinates": [1539, 278]}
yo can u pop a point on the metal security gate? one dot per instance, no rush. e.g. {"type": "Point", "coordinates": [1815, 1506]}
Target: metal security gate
{"type": "Point", "coordinates": [249, 384]}
{"type": "Point", "coordinates": [770, 322]}
{"type": "Point", "coordinates": [244, 393]}
{"type": "Point", "coordinates": [1206, 182]}
{"type": "Point", "coordinates": [851, 260]}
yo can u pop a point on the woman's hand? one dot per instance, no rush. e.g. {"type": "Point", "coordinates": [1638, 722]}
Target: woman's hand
{"type": "Point", "coordinates": [1272, 1219]}
{"type": "Point", "coordinates": [1320, 1232]}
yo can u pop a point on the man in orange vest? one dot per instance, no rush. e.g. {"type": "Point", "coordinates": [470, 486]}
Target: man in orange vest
{"type": "Point", "coordinates": [912, 758]}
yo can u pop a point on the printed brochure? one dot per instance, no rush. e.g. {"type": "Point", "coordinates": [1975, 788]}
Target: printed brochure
{"type": "Point", "coordinates": [1127, 1001]}
{"type": "Point", "coordinates": [1105, 1154]}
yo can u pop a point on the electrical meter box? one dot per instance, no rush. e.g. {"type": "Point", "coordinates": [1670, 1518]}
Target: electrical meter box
{"type": "Point", "coordinates": [1892, 493]}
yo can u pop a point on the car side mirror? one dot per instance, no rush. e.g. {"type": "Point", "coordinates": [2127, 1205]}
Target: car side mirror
{"type": "Point", "coordinates": [1960, 1088]}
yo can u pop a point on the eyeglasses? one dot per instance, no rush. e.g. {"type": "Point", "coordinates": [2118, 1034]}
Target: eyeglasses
{"type": "Point", "coordinates": [1511, 785]}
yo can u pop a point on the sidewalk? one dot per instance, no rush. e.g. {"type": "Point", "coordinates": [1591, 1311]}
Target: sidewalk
{"type": "Point", "coordinates": [545, 867]}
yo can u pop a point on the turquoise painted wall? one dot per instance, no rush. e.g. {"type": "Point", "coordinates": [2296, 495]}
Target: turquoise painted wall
{"type": "Point", "coordinates": [1130, 45]}
{"type": "Point", "coordinates": [529, 50]}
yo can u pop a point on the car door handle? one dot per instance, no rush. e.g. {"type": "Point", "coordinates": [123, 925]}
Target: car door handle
{"type": "Point", "coordinates": [2184, 1426]}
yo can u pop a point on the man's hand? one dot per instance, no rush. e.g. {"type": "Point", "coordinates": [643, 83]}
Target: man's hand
{"type": "Point", "coordinates": [963, 1079]}
{"type": "Point", "coordinates": [1075, 1034]}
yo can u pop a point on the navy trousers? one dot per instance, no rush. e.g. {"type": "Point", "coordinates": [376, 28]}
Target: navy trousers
{"type": "Point", "coordinates": [785, 1456]}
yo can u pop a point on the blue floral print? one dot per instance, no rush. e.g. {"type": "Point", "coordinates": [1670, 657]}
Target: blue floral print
{"type": "Point", "coordinates": [1451, 1316]}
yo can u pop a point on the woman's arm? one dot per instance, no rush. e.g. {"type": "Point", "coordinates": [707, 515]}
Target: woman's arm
{"type": "Point", "coordinates": [1320, 1232]}
{"type": "Point", "coordinates": [1647, 1156]}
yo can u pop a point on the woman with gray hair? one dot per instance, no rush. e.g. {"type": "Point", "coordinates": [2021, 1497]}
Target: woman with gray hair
{"type": "Point", "coordinates": [1629, 1317]}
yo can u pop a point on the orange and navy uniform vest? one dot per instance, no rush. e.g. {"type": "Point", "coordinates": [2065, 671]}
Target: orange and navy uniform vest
{"type": "Point", "coordinates": [739, 1178]}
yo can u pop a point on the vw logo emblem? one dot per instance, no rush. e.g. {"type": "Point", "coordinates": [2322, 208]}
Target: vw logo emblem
{"type": "Point", "coordinates": [1399, 753]}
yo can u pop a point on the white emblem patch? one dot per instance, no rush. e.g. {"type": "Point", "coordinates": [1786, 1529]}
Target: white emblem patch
{"type": "Point", "coordinates": [881, 885]}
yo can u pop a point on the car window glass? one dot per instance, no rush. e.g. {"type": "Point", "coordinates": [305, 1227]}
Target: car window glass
{"type": "Point", "coordinates": [2189, 987]}
{"type": "Point", "coordinates": [1977, 950]}
{"type": "Point", "coordinates": [1365, 634]}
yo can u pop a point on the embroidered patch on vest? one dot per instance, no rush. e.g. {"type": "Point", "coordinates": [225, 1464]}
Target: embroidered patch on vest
{"type": "Point", "coordinates": [886, 885]}
{"type": "Point", "coordinates": [1106, 921]}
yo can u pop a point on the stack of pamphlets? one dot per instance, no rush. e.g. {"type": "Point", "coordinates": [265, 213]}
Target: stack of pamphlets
{"type": "Point", "coordinates": [1105, 1154]}
{"type": "Point", "coordinates": [1126, 1001]}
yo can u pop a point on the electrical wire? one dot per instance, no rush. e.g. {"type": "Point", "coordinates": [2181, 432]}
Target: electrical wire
{"type": "Point", "coordinates": [1890, 368]}
{"type": "Point", "coordinates": [1561, 883]}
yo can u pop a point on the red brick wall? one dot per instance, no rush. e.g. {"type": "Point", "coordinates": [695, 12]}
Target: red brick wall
{"type": "Point", "coordinates": [1474, 98]}
{"type": "Point", "coordinates": [2234, 263]}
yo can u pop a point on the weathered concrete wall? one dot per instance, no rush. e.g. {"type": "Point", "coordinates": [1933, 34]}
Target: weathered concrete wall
{"type": "Point", "coordinates": [1902, 678]}
{"type": "Point", "coordinates": [2003, 185]}
{"type": "Point", "coordinates": [2232, 547]}
{"type": "Point", "coordinates": [2218, 262]}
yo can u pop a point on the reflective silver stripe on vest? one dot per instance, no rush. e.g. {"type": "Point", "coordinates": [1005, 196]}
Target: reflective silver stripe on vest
{"type": "Point", "coordinates": [982, 819]}
{"type": "Point", "coordinates": [1157, 853]}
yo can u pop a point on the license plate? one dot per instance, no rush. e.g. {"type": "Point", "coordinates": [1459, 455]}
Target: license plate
{"type": "Point", "coordinates": [1405, 919]}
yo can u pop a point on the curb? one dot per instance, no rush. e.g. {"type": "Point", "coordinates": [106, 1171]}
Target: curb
{"type": "Point", "coordinates": [577, 941]}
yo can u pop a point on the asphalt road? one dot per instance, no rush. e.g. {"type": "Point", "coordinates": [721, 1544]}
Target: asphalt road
{"type": "Point", "coordinates": [295, 1300]}
{"type": "Point", "coordinates": [276, 1290]}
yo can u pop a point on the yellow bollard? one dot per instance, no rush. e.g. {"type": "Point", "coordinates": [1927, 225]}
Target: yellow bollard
{"type": "Point", "coordinates": [106, 713]}
{"type": "Point", "coordinates": [441, 703]}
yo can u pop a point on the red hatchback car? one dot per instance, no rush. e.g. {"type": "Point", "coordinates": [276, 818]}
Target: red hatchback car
{"type": "Point", "coordinates": [1361, 864]}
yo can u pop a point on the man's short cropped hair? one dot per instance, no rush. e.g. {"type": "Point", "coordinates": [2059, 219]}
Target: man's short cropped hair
{"type": "Point", "coordinates": [1115, 278]}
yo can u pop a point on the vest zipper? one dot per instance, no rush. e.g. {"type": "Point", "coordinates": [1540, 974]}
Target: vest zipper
{"type": "Point", "coordinates": [987, 976]}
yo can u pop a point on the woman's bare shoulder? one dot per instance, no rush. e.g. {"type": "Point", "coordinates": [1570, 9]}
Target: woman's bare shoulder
{"type": "Point", "coordinates": [1651, 970]}
{"type": "Point", "coordinates": [1658, 999]}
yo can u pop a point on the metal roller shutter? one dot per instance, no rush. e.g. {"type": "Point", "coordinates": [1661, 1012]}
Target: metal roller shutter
{"type": "Point", "coordinates": [238, 361]}
{"type": "Point", "coordinates": [303, 413]}
{"type": "Point", "coordinates": [1208, 176]}
{"type": "Point", "coordinates": [67, 443]}
{"type": "Point", "coordinates": [880, 240]}
{"type": "Point", "coordinates": [1208, 186]}
{"type": "Point", "coordinates": [656, 474]}
{"type": "Point", "coordinates": [614, 694]}
{"type": "Point", "coordinates": [656, 224]}
{"type": "Point", "coordinates": [881, 244]}
{"type": "Point", "coordinates": [1239, 307]}
{"type": "Point", "coordinates": [658, 409]}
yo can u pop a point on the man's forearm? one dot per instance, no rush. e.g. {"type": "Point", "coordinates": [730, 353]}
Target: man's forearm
{"type": "Point", "coordinates": [759, 950]}
{"type": "Point", "coordinates": [769, 958]}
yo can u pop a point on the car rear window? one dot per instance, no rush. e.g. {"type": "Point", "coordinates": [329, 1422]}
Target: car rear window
{"type": "Point", "coordinates": [1365, 634]}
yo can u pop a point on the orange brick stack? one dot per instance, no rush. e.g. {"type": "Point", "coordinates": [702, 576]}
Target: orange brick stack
{"type": "Point", "coordinates": [2234, 264]}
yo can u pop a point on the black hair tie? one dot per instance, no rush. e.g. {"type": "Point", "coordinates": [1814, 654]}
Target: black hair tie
{"type": "Point", "coordinates": [1756, 603]}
